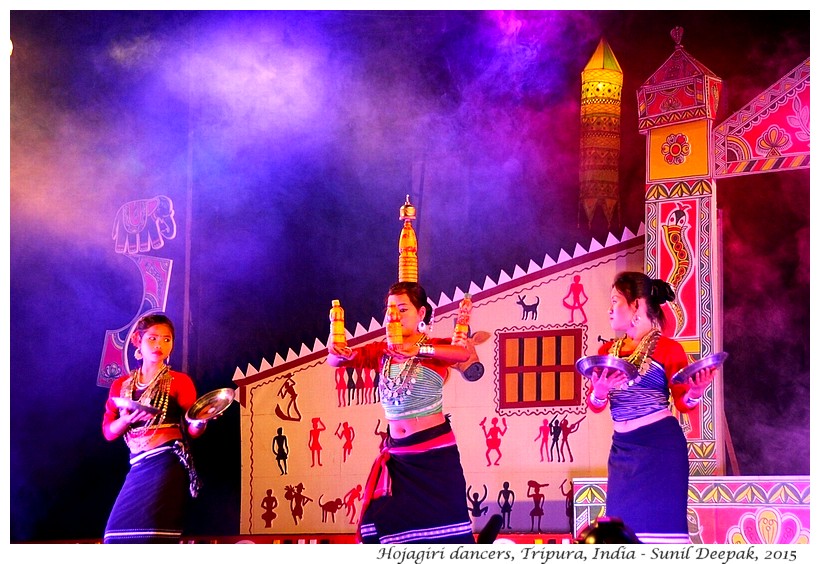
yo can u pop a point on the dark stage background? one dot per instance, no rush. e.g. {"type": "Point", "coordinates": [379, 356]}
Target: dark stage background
{"type": "Point", "coordinates": [287, 141]}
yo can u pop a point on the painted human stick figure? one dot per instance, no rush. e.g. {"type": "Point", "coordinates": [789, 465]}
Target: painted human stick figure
{"type": "Point", "coordinates": [579, 298]}
{"type": "Point", "coordinates": [350, 500]}
{"type": "Point", "coordinates": [475, 504]}
{"type": "Point", "coordinates": [351, 386]}
{"type": "Point", "coordinates": [381, 434]}
{"type": "Point", "coordinates": [360, 387]}
{"type": "Point", "coordinates": [566, 431]}
{"type": "Point", "coordinates": [367, 396]}
{"type": "Point", "coordinates": [555, 435]}
{"type": "Point", "coordinates": [346, 433]}
{"type": "Point", "coordinates": [545, 433]}
{"type": "Point", "coordinates": [269, 503]}
{"type": "Point", "coordinates": [506, 501]}
{"type": "Point", "coordinates": [288, 390]}
{"type": "Point", "coordinates": [493, 438]}
{"type": "Point", "coordinates": [313, 442]}
{"type": "Point", "coordinates": [568, 497]}
{"type": "Point", "coordinates": [280, 448]}
{"type": "Point", "coordinates": [341, 386]}
{"type": "Point", "coordinates": [534, 493]}
{"type": "Point", "coordinates": [298, 500]}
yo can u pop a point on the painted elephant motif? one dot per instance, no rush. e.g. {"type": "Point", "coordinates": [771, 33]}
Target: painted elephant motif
{"type": "Point", "coordinates": [143, 225]}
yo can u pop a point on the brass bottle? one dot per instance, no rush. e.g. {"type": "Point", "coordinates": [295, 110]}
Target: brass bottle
{"type": "Point", "coordinates": [337, 324]}
{"type": "Point", "coordinates": [462, 327]}
{"type": "Point", "coordinates": [408, 244]}
{"type": "Point", "coordinates": [394, 336]}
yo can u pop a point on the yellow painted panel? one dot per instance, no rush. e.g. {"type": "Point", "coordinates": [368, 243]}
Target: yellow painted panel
{"type": "Point", "coordinates": [691, 346]}
{"type": "Point", "coordinates": [511, 351]}
{"type": "Point", "coordinates": [528, 389]}
{"type": "Point", "coordinates": [567, 349]}
{"type": "Point", "coordinates": [567, 380]}
{"type": "Point", "coordinates": [530, 351]}
{"type": "Point", "coordinates": [548, 345]}
{"type": "Point", "coordinates": [511, 387]}
{"type": "Point", "coordinates": [696, 163]}
{"type": "Point", "coordinates": [547, 386]}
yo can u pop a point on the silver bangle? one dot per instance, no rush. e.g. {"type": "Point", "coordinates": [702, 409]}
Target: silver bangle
{"type": "Point", "coordinates": [427, 351]}
{"type": "Point", "coordinates": [596, 401]}
{"type": "Point", "coordinates": [690, 401]}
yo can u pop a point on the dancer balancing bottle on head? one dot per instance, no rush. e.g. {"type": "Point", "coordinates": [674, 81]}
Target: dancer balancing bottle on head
{"type": "Point", "coordinates": [420, 450]}
{"type": "Point", "coordinates": [416, 488]}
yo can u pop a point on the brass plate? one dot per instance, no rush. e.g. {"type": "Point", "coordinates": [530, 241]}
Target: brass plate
{"type": "Point", "coordinates": [211, 405]}
{"type": "Point", "coordinates": [683, 375]}
{"type": "Point", "coordinates": [587, 364]}
{"type": "Point", "coordinates": [125, 403]}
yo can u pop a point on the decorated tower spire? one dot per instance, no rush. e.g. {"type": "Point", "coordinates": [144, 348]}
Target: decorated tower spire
{"type": "Point", "coordinates": [601, 85]}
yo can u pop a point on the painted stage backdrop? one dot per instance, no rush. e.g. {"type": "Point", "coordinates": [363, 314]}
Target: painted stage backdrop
{"type": "Point", "coordinates": [531, 451]}
{"type": "Point", "coordinates": [310, 432]}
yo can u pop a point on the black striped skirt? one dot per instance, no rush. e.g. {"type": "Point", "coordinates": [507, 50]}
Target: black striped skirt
{"type": "Point", "coordinates": [151, 504]}
{"type": "Point", "coordinates": [427, 503]}
{"type": "Point", "coordinates": [648, 481]}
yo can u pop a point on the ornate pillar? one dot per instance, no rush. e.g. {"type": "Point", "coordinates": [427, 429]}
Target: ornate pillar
{"type": "Point", "coordinates": [676, 112]}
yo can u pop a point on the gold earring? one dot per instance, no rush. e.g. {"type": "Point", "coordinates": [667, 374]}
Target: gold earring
{"type": "Point", "coordinates": [138, 354]}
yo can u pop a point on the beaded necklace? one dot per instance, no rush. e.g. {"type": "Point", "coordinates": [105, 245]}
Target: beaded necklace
{"type": "Point", "coordinates": [154, 394]}
{"type": "Point", "coordinates": [394, 387]}
{"type": "Point", "coordinates": [640, 356]}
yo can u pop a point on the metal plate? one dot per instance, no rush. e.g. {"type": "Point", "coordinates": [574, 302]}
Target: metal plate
{"type": "Point", "coordinates": [131, 405]}
{"type": "Point", "coordinates": [211, 405]}
{"type": "Point", "coordinates": [587, 364]}
{"type": "Point", "coordinates": [683, 375]}
{"type": "Point", "coordinates": [474, 372]}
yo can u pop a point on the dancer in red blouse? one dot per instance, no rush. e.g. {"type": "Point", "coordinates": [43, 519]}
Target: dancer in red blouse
{"type": "Point", "coordinates": [150, 506]}
{"type": "Point", "coordinates": [648, 467]}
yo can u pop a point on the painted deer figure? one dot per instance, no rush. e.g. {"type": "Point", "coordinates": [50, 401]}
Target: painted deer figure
{"type": "Point", "coordinates": [529, 310]}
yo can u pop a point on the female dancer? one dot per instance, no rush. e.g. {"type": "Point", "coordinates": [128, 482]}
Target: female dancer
{"type": "Point", "coordinates": [415, 492]}
{"type": "Point", "coordinates": [151, 503]}
{"type": "Point", "coordinates": [648, 467]}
